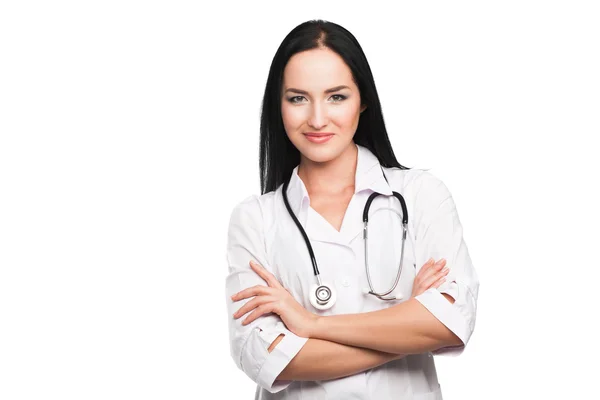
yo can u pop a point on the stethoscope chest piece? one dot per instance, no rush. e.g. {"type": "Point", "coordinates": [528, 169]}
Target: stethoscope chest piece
{"type": "Point", "coordinates": [322, 296]}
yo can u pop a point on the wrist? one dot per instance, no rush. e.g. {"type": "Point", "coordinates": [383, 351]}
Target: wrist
{"type": "Point", "coordinates": [317, 327]}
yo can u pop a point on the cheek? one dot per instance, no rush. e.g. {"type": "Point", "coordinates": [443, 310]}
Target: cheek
{"type": "Point", "coordinates": [346, 115]}
{"type": "Point", "coordinates": [292, 116]}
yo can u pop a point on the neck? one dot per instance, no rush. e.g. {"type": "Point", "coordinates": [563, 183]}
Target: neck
{"type": "Point", "coordinates": [333, 176]}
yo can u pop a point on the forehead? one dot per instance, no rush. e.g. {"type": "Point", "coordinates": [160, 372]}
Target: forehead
{"type": "Point", "coordinates": [316, 69]}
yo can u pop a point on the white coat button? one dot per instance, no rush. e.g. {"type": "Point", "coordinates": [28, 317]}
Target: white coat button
{"type": "Point", "coordinates": [345, 282]}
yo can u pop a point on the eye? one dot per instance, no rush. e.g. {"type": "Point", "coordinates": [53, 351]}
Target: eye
{"type": "Point", "coordinates": [338, 97]}
{"type": "Point", "coordinates": [295, 99]}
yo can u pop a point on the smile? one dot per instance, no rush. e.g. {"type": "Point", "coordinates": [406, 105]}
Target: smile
{"type": "Point", "coordinates": [318, 138]}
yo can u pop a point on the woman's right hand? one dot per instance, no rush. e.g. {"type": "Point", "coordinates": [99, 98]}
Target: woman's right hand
{"type": "Point", "coordinates": [431, 275]}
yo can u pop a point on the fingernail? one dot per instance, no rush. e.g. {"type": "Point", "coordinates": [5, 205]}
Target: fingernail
{"type": "Point", "coordinates": [430, 260]}
{"type": "Point", "coordinates": [446, 269]}
{"type": "Point", "coordinates": [443, 260]}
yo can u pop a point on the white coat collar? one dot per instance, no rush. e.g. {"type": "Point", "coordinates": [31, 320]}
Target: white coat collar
{"type": "Point", "coordinates": [369, 176]}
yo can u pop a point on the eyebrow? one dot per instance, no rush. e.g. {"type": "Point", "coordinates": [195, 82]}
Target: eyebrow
{"type": "Point", "coordinates": [333, 89]}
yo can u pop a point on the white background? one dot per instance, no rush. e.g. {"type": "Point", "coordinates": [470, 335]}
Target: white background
{"type": "Point", "coordinates": [129, 131]}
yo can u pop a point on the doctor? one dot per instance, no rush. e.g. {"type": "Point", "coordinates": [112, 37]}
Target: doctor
{"type": "Point", "coordinates": [323, 135]}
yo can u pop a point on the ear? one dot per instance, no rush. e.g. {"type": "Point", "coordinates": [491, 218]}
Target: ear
{"type": "Point", "coordinates": [363, 108]}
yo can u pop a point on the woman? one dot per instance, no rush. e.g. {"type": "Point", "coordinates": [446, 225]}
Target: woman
{"type": "Point", "coordinates": [324, 145]}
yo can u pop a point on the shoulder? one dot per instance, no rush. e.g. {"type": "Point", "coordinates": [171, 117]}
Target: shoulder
{"type": "Point", "coordinates": [421, 185]}
{"type": "Point", "coordinates": [414, 179]}
{"type": "Point", "coordinates": [252, 209]}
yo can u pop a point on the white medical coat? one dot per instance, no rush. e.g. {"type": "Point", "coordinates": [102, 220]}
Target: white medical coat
{"type": "Point", "coordinates": [261, 229]}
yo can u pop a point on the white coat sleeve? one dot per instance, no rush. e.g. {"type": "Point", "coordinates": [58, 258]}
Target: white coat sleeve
{"type": "Point", "coordinates": [249, 344]}
{"type": "Point", "coordinates": [439, 234]}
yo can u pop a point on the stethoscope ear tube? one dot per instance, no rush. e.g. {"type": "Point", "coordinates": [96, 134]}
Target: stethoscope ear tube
{"type": "Point", "coordinates": [400, 199]}
{"type": "Point", "coordinates": [383, 295]}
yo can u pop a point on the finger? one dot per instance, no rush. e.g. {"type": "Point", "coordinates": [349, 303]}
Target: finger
{"type": "Point", "coordinates": [433, 279]}
{"type": "Point", "coordinates": [424, 269]}
{"type": "Point", "coordinates": [429, 270]}
{"type": "Point", "coordinates": [252, 304]}
{"type": "Point", "coordinates": [258, 290]}
{"type": "Point", "coordinates": [266, 275]}
{"type": "Point", "coordinates": [417, 290]}
{"type": "Point", "coordinates": [438, 283]}
{"type": "Point", "coordinates": [260, 310]}
{"type": "Point", "coordinates": [429, 266]}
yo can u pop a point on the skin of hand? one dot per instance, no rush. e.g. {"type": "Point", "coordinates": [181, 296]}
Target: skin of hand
{"type": "Point", "coordinates": [431, 275]}
{"type": "Point", "coordinates": [274, 298]}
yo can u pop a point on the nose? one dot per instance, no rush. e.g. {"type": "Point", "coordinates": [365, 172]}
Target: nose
{"type": "Point", "coordinates": [318, 117]}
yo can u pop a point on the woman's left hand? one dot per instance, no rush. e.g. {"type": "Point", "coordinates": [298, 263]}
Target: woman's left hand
{"type": "Point", "coordinates": [276, 299]}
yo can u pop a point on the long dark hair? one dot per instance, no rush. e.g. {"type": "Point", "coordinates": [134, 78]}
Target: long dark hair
{"type": "Point", "coordinates": [278, 155]}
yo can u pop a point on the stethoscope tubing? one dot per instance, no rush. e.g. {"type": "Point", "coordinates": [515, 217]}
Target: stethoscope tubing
{"type": "Point", "coordinates": [304, 235]}
{"type": "Point", "coordinates": [366, 239]}
{"type": "Point", "coordinates": [372, 197]}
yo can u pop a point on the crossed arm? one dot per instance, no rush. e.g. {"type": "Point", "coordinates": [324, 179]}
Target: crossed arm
{"type": "Point", "coordinates": [321, 360]}
{"type": "Point", "coordinates": [344, 345]}
{"type": "Point", "coordinates": [365, 339]}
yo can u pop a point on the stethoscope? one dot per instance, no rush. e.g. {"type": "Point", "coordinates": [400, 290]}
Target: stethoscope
{"type": "Point", "coordinates": [322, 295]}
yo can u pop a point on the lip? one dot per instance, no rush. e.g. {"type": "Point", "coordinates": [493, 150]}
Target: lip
{"type": "Point", "coordinates": [318, 134]}
{"type": "Point", "coordinates": [318, 137]}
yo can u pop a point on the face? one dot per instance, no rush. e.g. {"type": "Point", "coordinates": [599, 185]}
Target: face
{"type": "Point", "coordinates": [319, 97]}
